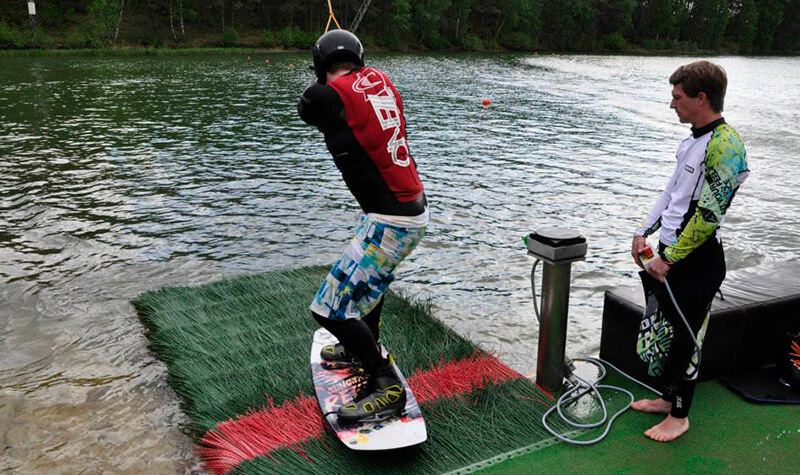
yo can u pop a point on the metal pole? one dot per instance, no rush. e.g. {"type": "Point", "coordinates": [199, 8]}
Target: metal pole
{"type": "Point", "coordinates": [35, 40]}
{"type": "Point", "coordinates": [553, 326]}
{"type": "Point", "coordinates": [32, 18]}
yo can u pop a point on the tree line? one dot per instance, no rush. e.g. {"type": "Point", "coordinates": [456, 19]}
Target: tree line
{"type": "Point", "coordinates": [734, 26]}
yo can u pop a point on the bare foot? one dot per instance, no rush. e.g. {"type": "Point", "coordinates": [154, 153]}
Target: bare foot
{"type": "Point", "coordinates": [659, 406]}
{"type": "Point", "coordinates": [669, 429]}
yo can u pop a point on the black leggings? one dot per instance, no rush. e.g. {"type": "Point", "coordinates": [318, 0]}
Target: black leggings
{"type": "Point", "coordinates": [694, 282]}
{"type": "Point", "coordinates": [360, 338]}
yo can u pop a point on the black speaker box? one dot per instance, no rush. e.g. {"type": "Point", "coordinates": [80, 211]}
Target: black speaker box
{"type": "Point", "coordinates": [758, 306]}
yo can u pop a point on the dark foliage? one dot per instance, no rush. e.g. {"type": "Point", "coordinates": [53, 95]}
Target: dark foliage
{"type": "Point", "coordinates": [738, 26]}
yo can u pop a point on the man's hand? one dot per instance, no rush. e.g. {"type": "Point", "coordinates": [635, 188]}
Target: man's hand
{"type": "Point", "coordinates": [658, 268]}
{"type": "Point", "coordinates": [636, 249]}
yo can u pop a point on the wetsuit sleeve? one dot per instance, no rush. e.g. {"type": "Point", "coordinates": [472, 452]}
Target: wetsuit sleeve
{"type": "Point", "coordinates": [726, 168]}
{"type": "Point", "coordinates": [653, 221]}
{"type": "Point", "coordinates": [318, 103]}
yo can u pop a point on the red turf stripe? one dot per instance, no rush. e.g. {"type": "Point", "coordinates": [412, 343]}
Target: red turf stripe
{"type": "Point", "coordinates": [458, 377]}
{"type": "Point", "coordinates": [260, 432]}
{"type": "Point", "coordinates": [553, 398]}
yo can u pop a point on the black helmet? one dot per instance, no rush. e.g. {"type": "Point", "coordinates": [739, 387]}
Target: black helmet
{"type": "Point", "coordinates": [333, 46]}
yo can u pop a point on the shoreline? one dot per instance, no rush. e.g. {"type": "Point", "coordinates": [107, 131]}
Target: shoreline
{"type": "Point", "coordinates": [168, 51]}
{"type": "Point", "coordinates": [143, 51]}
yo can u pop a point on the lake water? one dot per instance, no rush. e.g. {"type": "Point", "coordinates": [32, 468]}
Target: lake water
{"type": "Point", "coordinates": [121, 175]}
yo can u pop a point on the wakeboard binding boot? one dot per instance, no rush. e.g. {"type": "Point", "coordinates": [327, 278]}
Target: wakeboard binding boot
{"type": "Point", "coordinates": [336, 356]}
{"type": "Point", "coordinates": [381, 397]}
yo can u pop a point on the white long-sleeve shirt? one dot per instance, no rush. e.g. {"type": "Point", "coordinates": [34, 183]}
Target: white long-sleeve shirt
{"type": "Point", "coordinates": [711, 166]}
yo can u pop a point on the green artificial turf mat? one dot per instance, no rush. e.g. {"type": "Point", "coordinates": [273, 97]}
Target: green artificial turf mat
{"type": "Point", "coordinates": [238, 345]}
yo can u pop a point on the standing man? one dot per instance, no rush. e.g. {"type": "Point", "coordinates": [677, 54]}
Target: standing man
{"type": "Point", "coordinates": [711, 166]}
{"type": "Point", "coordinates": [360, 113]}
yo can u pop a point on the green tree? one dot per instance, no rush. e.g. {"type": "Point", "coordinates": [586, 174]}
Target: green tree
{"type": "Point", "coordinates": [614, 16]}
{"type": "Point", "coordinates": [486, 20]}
{"type": "Point", "coordinates": [708, 22]}
{"type": "Point", "coordinates": [770, 14]}
{"type": "Point", "coordinates": [11, 38]}
{"type": "Point", "coordinates": [656, 20]}
{"type": "Point", "coordinates": [104, 16]}
{"type": "Point", "coordinates": [426, 21]}
{"type": "Point", "coordinates": [398, 29]}
{"type": "Point", "coordinates": [568, 25]}
{"type": "Point", "coordinates": [55, 14]}
{"type": "Point", "coordinates": [522, 23]}
{"type": "Point", "coordinates": [787, 38]}
{"type": "Point", "coordinates": [461, 10]}
{"type": "Point", "coordinates": [744, 24]}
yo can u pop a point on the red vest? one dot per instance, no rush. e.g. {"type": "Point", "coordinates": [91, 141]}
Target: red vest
{"type": "Point", "coordinates": [374, 112]}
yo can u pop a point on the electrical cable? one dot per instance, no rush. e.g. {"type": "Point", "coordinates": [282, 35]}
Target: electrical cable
{"type": "Point", "coordinates": [685, 322]}
{"type": "Point", "coordinates": [581, 387]}
{"type": "Point", "coordinates": [533, 289]}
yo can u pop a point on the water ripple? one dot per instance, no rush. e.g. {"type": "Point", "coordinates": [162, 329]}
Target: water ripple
{"type": "Point", "coordinates": [128, 174]}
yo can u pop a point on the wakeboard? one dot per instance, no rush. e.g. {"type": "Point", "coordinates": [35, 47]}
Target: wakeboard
{"type": "Point", "coordinates": [335, 387]}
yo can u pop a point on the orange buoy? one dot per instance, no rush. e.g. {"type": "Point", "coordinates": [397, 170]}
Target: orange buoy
{"type": "Point", "coordinates": [486, 102]}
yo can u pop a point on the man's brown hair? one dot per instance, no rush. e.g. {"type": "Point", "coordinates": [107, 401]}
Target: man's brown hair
{"type": "Point", "coordinates": [337, 66]}
{"type": "Point", "coordinates": [702, 76]}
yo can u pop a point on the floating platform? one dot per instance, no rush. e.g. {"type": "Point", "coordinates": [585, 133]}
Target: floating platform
{"type": "Point", "coordinates": [728, 434]}
{"type": "Point", "coordinates": [236, 352]}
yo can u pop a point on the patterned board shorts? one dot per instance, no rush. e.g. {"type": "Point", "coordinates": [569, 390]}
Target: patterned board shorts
{"type": "Point", "coordinates": [362, 274]}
